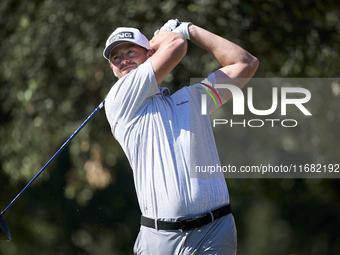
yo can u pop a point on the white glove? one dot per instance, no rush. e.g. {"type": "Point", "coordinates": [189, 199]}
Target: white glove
{"type": "Point", "coordinates": [176, 26]}
{"type": "Point", "coordinates": [183, 29]}
{"type": "Point", "coordinates": [170, 25]}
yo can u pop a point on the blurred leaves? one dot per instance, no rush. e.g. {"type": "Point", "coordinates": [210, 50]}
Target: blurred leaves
{"type": "Point", "coordinates": [53, 75]}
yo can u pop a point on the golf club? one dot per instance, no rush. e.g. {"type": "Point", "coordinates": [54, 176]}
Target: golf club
{"type": "Point", "coordinates": [5, 233]}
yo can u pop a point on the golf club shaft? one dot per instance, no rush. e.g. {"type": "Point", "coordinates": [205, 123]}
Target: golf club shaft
{"type": "Point", "coordinates": [60, 149]}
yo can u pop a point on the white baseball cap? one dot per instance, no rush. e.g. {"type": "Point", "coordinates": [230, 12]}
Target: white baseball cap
{"type": "Point", "coordinates": [123, 35]}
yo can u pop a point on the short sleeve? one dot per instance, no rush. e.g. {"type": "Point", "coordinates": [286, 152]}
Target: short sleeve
{"type": "Point", "coordinates": [129, 94]}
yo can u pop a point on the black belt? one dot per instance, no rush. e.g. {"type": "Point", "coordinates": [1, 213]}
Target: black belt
{"type": "Point", "coordinates": [188, 224]}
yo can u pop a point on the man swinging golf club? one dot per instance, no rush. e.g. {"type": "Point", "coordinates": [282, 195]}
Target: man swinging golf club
{"type": "Point", "coordinates": [180, 215]}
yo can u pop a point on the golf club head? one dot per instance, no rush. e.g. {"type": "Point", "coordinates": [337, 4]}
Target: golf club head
{"type": "Point", "coordinates": [5, 234]}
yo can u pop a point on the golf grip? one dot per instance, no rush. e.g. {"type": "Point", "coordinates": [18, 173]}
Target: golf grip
{"type": "Point", "coordinates": [60, 149]}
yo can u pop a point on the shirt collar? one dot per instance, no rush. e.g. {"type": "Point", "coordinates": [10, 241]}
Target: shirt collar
{"type": "Point", "coordinates": [164, 91]}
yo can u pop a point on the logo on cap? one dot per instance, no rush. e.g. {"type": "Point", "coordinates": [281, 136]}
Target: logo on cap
{"type": "Point", "coordinates": [122, 35]}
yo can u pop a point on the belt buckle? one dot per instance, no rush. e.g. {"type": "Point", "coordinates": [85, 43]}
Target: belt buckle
{"type": "Point", "coordinates": [183, 226]}
{"type": "Point", "coordinates": [199, 222]}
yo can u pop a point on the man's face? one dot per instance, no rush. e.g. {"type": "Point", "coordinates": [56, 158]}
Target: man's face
{"type": "Point", "coordinates": [126, 57]}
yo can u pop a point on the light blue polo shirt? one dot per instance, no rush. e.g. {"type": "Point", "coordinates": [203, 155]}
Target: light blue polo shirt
{"type": "Point", "coordinates": [155, 131]}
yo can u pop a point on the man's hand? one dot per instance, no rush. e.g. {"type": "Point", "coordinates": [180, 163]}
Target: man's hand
{"type": "Point", "coordinates": [170, 25]}
{"type": "Point", "coordinates": [176, 26]}
{"type": "Point", "coordinates": [158, 39]}
{"type": "Point", "coordinates": [183, 29]}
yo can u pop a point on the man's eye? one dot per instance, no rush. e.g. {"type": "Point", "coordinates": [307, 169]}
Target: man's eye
{"type": "Point", "coordinates": [115, 58]}
{"type": "Point", "coordinates": [130, 51]}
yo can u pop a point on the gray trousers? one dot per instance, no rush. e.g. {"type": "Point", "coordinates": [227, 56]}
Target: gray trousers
{"type": "Point", "coordinates": [218, 237]}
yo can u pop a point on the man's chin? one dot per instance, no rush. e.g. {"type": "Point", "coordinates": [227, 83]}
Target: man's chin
{"type": "Point", "coordinates": [128, 70]}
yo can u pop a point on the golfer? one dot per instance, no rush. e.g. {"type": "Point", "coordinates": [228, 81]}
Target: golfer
{"type": "Point", "coordinates": [180, 215]}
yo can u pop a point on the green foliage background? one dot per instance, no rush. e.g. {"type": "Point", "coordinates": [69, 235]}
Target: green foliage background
{"type": "Point", "coordinates": [53, 75]}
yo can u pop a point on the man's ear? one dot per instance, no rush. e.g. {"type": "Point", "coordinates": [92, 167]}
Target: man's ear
{"type": "Point", "coordinates": [149, 53]}
{"type": "Point", "coordinates": [111, 65]}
